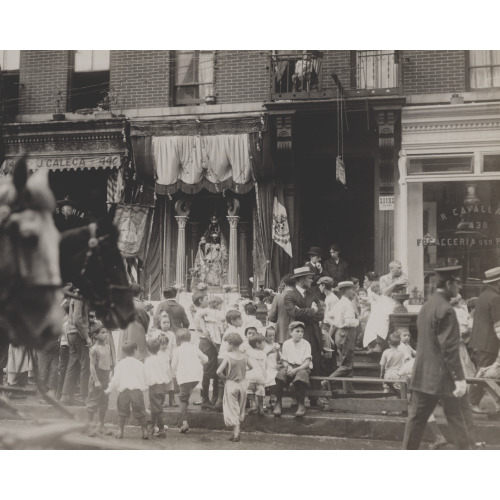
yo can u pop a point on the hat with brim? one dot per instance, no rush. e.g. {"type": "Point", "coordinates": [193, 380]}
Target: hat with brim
{"type": "Point", "coordinates": [492, 275]}
{"type": "Point", "coordinates": [302, 271]}
{"type": "Point", "coordinates": [295, 324]}
{"type": "Point", "coordinates": [449, 272]}
{"type": "Point", "coordinates": [326, 280]}
{"type": "Point", "coordinates": [345, 284]}
{"type": "Point", "coordinates": [314, 251]}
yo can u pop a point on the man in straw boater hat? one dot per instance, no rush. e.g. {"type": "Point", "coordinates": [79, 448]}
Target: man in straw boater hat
{"type": "Point", "coordinates": [301, 305]}
{"type": "Point", "coordinates": [484, 340]}
{"type": "Point", "coordinates": [438, 374]}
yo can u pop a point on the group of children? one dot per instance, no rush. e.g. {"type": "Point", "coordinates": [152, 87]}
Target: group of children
{"type": "Point", "coordinates": [245, 361]}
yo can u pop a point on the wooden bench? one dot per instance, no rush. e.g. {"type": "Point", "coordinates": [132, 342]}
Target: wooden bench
{"type": "Point", "coordinates": [364, 402]}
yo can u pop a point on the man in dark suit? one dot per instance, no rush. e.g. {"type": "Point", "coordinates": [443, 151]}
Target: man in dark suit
{"type": "Point", "coordinates": [278, 313]}
{"type": "Point", "coordinates": [301, 305]}
{"type": "Point", "coordinates": [177, 313]}
{"type": "Point", "coordinates": [483, 338]}
{"type": "Point", "coordinates": [438, 374]}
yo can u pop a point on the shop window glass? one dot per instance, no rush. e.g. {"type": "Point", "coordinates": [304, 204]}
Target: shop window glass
{"type": "Point", "coordinates": [453, 223]}
{"type": "Point", "coordinates": [491, 163]}
{"type": "Point", "coordinates": [194, 76]}
{"type": "Point", "coordinates": [440, 165]}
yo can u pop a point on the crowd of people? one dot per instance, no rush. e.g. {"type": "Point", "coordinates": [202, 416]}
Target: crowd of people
{"type": "Point", "coordinates": [247, 353]}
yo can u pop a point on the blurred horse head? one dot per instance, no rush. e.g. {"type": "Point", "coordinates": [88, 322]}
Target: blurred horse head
{"type": "Point", "coordinates": [91, 261]}
{"type": "Point", "coordinates": [29, 259]}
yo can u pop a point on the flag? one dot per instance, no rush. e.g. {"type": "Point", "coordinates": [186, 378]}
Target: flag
{"type": "Point", "coordinates": [340, 168]}
{"type": "Point", "coordinates": [281, 231]}
{"type": "Point", "coordinates": [131, 222]}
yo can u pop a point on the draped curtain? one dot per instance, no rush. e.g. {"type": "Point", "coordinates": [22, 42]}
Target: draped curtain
{"type": "Point", "coordinates": [376, 69]}
{"type": "Point", "coordinates": [191, 163]}
{"type": "Point", "coordinates": [487, 75]}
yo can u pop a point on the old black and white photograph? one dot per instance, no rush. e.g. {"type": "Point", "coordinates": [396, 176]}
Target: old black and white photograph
{"type": "Point", "coordinates": [250, 249]}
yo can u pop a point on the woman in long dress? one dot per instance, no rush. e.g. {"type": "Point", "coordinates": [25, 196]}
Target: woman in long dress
{"type": "Point", "coordinates": [18, 366]}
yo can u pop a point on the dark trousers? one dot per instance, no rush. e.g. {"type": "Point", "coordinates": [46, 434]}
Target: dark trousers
{"type": "Point", "coordinates": [97, 400]}
{"type": "Point", "coordinates": [61, 368]}
{"type": "Point", "coordinates": [78, 365]}
{"type": "Point", "coordinates": [209, 370]}
{"type": "Point", "coordinates": [346, 358]}
{"type": "Point", "coordinates": [157, 394]}
{"type": "Point", "coordinates": [481, 359]}
{"type": "Point", "coordinates": [4, 357]}
{"type": "Point", "coordinates": [186, 390]}
{"type": "Point", "coordinates": [458, 415]}
{"type": "Point", "coordinates": [132, 398]}
{"type": "Point", "coordinates": [48, 359]}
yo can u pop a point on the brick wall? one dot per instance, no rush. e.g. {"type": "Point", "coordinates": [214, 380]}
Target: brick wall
{"type": "Point", "coordinates": [42, 74]}
{"type": "Point", "coordinates": [338, 62]}
{"type": "Point", "coordinates": [141, 78]}
{"type": "Point", "coordinates": [242, 76]}
{"type": "Point", "coordinates": [433, 71]}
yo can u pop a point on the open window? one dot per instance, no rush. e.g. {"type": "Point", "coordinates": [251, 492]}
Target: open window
{"type": "Point", "coordinates": [194, 76]}
{"type": "Point", "coordinates": [89, 79]}
{"type": "Point", "coordinates": [9, 83]}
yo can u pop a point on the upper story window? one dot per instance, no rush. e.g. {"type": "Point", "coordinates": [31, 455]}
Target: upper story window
{"type": "Point", "coordinates": [484, 68]}
{"type": "Point", "coordinates": [9, 83]}
{"type": "Point", "coordinates": [375, 70]}
{"type": "Point", "coordinates": [90, 79]}
{"type": "Point", "coordinates": [194, 76]}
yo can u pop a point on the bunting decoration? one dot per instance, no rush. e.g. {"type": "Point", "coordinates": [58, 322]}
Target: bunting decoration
{"type": "Point", "coordinates": [281, 231]}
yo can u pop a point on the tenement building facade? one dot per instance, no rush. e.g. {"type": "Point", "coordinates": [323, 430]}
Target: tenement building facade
{"type": "Point", "coordinates": [226, 165]}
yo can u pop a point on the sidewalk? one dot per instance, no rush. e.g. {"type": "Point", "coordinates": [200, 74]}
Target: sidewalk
{"type": "Point", "coordinates": [315, 423]}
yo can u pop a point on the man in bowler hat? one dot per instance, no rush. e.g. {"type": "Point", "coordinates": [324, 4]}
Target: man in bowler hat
{"type": "Point", "coordinates": [438, 374]}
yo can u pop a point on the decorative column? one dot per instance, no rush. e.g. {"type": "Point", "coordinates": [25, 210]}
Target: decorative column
{"type": "Point", "coordinates": [194, 245]}
{"type": "Point", "coordinates": [232, 276]}
{"type": "Point", "coordinates": [182, 207]}
{"type": "Point", "coordinates": [243, 265]}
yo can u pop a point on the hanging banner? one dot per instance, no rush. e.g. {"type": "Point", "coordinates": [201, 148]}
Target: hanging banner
{"type": "Point", "coordinates": [131, 222]}
{"type": "Point", "coordinates": [340, 168]}
{"type": "Point", "coordinates": [281, 231]}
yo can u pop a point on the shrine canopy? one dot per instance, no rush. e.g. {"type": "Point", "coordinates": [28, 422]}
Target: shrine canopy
{"type": "Point", "coordinates": [193, 162]}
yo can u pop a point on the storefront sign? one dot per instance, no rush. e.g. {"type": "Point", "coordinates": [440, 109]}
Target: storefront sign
{"type": "Point", "coordinates": [386, 202]}
{"type": "Point", "coordinates": [66, 162]}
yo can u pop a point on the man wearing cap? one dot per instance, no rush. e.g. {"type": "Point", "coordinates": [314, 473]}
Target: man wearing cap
{"type": "Point", "coordinates": [346, 322]}
{"type": "Point", "coordinates": [438, 374]}
{"type": "Point", "coordinates": [325, 284]}
{"type": "Point", "coordinates": [314, 263]}
{"type": "Point", "coordinates": [278, 313]}
{"type": "Point", "coordinates": [301, 306]}
{"type": "Point", "coordinates": [296, 364]}
{"type": "Point", "coordinates": [335, 267]}
{"type": "Point", "coordinates": [176, 313]}
{"type": "Point", "coordinates": [483, 339]}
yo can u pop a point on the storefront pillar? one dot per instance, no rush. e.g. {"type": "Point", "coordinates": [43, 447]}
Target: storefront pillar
{"type": "Point", "coordinates": [180, 268]}
{"type": "Point", "coordinates": [243, 256]}
{"type": "Point", "coordinates": [401, 214]}
{"type": "Point", "coordinates": [233, 250]}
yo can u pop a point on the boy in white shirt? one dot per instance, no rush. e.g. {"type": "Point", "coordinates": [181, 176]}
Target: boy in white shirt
{"type": "Point", "coordinates": [187, 368]}
{"type": "Point", "coordinates": [296, 359]}
{"type": "Point", "coordinates": [130, 381]}
{"type": "Point", "coordinates": [157, 377]}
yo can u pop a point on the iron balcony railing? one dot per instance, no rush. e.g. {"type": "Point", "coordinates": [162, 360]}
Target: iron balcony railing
{"type": "Point", "coordinates": [376, 72]}
{"type": "Point", "coordinates": [296, 75]}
